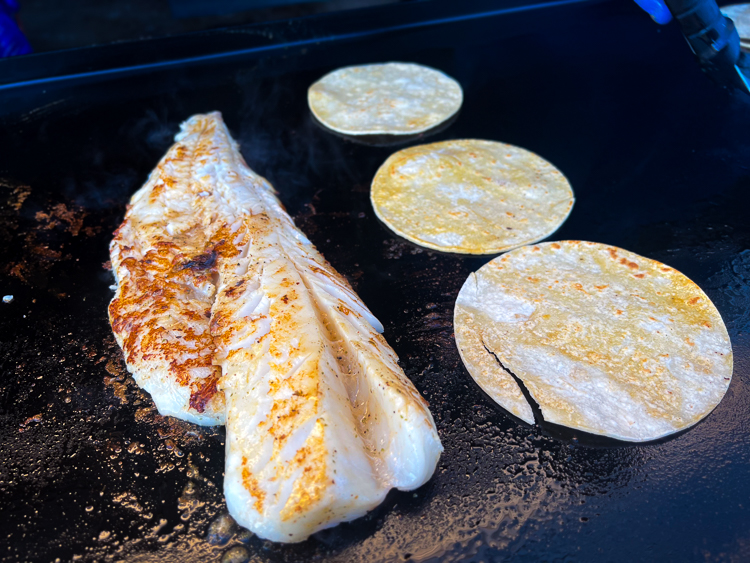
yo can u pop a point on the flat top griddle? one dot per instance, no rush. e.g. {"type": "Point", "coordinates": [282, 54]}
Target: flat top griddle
{"type": "Point", "coordinates": [659, 159]}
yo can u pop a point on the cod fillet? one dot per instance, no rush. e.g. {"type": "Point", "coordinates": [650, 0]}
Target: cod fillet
{"type": "Point", "coordinates": [164, 269]}
{"type": "Point", "coordinates": [321, 421]}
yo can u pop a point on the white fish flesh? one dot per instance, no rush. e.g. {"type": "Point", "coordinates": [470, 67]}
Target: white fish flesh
{"type": "Point", "coordinates": [321, 421]}
{"type": "Point", "coordinates": [162, 260]}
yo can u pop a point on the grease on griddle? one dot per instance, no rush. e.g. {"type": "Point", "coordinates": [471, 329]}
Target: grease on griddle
{"type": "Point", "coordinates": [118, 380]}
{"type": "Point", "coordinates": [32, 419]}
{"type": "Point", "coordinates": [152, 446]}
{"type": "Point", "coordinates": [175, 434]}
{"type": "Point", "coordinates": [236, 554]}
{"type": "Point", "coordinates": [395, 249]}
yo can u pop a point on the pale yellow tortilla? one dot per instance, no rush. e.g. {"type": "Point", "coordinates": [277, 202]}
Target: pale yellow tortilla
{"type": "Point", "coordinates": [471, 196]}
{"type": "Point", "coordinates": [604, 340]}
{"type": "Point", "coordinates": [384, 99]}
{"type": "Point", "coordinates": [740, 14]}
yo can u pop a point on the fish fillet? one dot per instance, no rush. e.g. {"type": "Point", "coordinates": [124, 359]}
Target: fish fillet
{"type": "Point", "coordinates": [162, 261]}
{"type": "Point", "coordinates": [321, 421]}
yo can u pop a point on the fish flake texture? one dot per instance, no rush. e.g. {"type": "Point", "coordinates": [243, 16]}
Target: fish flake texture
{"type": "Point", "coordinates": [161, 259]}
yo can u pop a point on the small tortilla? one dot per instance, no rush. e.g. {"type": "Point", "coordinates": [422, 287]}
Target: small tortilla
{"type": "Point", "coordinates": [384, 99]}
{"type": "Point", "coordinates": [740, 15]}
{"type": "Point", "coordinates": [471, 196]}
{"type": "Point", "coordinates": [604, 340]}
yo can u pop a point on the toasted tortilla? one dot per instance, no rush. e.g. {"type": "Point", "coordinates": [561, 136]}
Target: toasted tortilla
{"type": "Point", "coordinates": [604, 340]}
{"type": "Point", "coordinates": [384, 99]}
{"type": "Point", "coordinates": [471, 196]}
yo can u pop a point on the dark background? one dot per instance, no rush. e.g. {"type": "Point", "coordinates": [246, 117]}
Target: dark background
{"type": "Point", "coordinates": [659, 160]}
{"type": "Point", "coordinates": [50, 25]}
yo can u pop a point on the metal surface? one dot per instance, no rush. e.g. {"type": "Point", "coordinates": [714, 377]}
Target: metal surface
{"type": "Point", "coordinates": [658, 158]}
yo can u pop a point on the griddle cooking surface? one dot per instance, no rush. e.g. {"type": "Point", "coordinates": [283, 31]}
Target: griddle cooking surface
{"type": "Point", "coordinates": [658, 158]}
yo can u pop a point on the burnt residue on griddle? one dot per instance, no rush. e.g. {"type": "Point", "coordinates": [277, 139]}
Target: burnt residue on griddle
{"type": "Point", "coordinates": [394, 249]}
{"type": "Point", "coordinates": [37, 232]}
{"type": "Point", "coordinates": [12, 196]}
{"type": "Point", "coordinates": [60, 215]}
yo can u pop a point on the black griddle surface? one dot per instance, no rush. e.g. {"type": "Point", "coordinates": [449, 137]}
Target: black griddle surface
{"type": "Point", "coordinates": [659, 160]}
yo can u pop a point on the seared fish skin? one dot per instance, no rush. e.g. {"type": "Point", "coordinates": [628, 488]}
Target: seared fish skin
{"type": "Point", "coordinates": [321, 421]}
{"type": "Point", "coordinates": [162, 260]}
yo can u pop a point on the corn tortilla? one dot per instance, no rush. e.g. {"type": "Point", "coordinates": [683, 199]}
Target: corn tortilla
{"type": "Point", "coordinates": [740, 14]}
{"type": "Point", "coordinates": [604, 340]}
{"type": "Point", "coordinates": [471, 196]}
{"type": "Point", "coordinates": [384, 99]}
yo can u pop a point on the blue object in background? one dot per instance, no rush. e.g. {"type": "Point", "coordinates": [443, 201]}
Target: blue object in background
{"type": "Point", "coordinates": [12, 41]}
{"type": "Point", "coordinates": [657, 9]}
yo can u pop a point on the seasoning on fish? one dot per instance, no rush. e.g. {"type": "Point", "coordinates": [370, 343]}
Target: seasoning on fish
{"type": "Point", "coordinates": [604, 340]}
{"type": "Point", "coordinates": [162, 259]}
{"type": "Point", "coordinates": [321, 421]}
